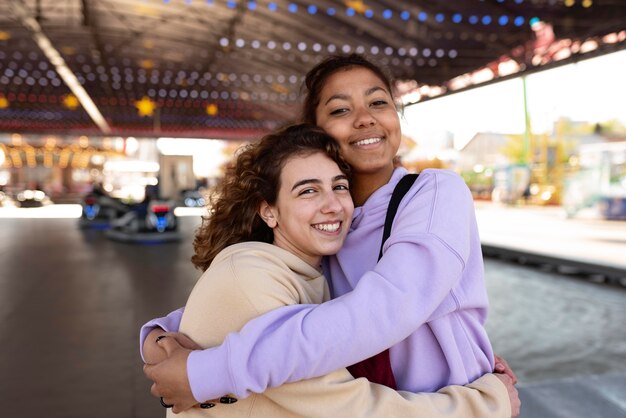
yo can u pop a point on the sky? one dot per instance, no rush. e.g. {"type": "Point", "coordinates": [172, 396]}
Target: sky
{"type": "Point", "coordinates": [592, 90]}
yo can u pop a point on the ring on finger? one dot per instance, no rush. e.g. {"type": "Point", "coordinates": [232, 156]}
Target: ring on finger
{"type": "Point", "coordinates": [163, 404]}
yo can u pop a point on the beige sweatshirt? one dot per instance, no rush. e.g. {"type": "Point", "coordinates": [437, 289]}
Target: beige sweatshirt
{"type": "Point", "coordinates": [248, 279]}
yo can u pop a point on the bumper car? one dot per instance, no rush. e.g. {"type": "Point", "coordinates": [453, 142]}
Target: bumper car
{"type": "Point", "coordinates": [32, 199]}
{"type": "Point", "coordinates": [193, 199]}
{"type": "Point", "coordinates": [146, 224]}
{"type": "Point", "coordinates": [98, 211]}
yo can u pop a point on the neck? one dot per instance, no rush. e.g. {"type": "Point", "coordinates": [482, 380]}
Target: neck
{"type": "Point", "coordinates": [316, 264]}
{"type": "Point", "coordinates": [313, 261]}
{"type": "Point", "coordinates": [363, 185]}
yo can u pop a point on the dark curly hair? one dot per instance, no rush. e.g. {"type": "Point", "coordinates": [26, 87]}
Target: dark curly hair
{"type": "Point", "coordinates": [316, 79]}
{"type": "Point", "coordinates": [252, 179]}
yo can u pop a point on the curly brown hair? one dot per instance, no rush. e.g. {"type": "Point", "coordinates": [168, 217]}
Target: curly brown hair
{"type": "Point", "coordinates": [252, 179]}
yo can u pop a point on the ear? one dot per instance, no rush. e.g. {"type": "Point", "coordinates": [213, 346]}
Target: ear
{"type": "Point", "coordinates": [266, 212]}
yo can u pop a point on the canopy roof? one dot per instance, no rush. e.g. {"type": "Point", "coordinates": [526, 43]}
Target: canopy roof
{"type": "Point", "coordinates": [233, 69]}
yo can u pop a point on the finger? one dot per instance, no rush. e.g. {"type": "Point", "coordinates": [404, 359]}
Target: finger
{"type": "Point", "coordinates": [513, 376]}
{"type": "Point", "coordinates": [182, 407]}
{"type": "Point", "coordinates": [501, 366]}
{"type": "Point", "coordinates": [164, 402]}
{"type": "Point", "coordinates": [510, 374]}
{"type": "Point", "coordinates": [500, 363]}
{"type": "Point", "coordinates": [506, 379]}
{"type": "Point", "coordinates": [187, 342]}
{"type": "Point", "coordinates": [177, 409]}
{"type": "Point", "coordinates": [148, 370]}
{"type": "Point", "coordinates": [169, 345]}
{"type": "Point", "coordinates": [498, 359]}
{"type": "Point", "coordinates": [154, 391]}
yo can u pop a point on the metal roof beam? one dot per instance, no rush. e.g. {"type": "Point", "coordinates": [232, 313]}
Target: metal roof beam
{"type": "Point", "coordinates": [30, 22]}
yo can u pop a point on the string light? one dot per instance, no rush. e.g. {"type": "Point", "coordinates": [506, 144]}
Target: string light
{"type": "Point", "coordinates": [122, 76]}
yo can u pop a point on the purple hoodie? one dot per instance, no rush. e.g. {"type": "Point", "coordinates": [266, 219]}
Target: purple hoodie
{"type": "Point", "coordinates": [426, 299]}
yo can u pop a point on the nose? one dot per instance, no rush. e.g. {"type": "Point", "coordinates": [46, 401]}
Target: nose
{"type": "Point", "coordinates": [331, 203]}
{"type": "Point", "coordinates": [363, 118]}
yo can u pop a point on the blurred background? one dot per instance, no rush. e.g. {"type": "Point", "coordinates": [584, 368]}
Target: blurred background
{"type": "Point", "coordinates": [117, 117]}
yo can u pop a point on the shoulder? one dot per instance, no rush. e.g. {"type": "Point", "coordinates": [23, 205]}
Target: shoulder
{"type": "Point", "coordinates": [261, 271]}
{"type": "Point", "coordinates": [436, 187]}
{"type": "Point", "coordinates": [437, 200]}
{"type": "Point", "coordinates": [440, 177]}
{"type": "Point", "coordinates": [253, 257]}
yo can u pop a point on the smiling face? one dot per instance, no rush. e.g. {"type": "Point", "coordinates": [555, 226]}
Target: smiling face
{"type": "Point", "coordinates": [357, 110]}
{"type": "Point", "coordinates": [313, 210]}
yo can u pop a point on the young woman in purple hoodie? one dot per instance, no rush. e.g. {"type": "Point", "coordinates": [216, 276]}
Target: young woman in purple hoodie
{"type": "Point", "coordinates": [413, 320]}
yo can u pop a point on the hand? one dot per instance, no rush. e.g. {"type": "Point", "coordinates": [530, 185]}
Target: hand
{"type": "Point", "coordinates": [183, 340]}
{"type": "Point", "coordinates": [153, 353]}
{"type": "Point", "coordinates": [170, 376]}
{"type": "Point", "coordinates": [513, 394]}
{"type": "Point", "coordinates": [502, 366]}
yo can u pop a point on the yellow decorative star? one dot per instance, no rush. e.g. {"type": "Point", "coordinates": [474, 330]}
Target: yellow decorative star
{"type": "Point", "coordinates": [279, 88]}
{"type": "Point", "coordinates": [71, 102]}
{"type": "Point", "coordinates": [4, 103]}
{"type": "Point", "coordinates": [68, 50]}
{"type": "Point", "coordinates": [357, 5]}
{"type": "Point", "coordinates": [146, 64]}
{"type": "Point", "coordinates": [145, 106]}
{"type": "Point", "coordinates": [211, 109]}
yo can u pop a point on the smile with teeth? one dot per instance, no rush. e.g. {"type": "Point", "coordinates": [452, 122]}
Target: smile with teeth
{"type": "Point", "coordinates": [368, 141]}
{"type": "Point", "coordinates": [332, 227]}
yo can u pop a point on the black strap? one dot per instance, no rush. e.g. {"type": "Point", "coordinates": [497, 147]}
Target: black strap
{"type": "Point", "coordinates": [401, 189]}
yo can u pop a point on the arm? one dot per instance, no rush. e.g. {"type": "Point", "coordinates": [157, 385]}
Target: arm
{"type": "Point", "coordinates": [154, 353]}
{"type": "Point", "coordinates": [338, 392]}
{"type": "Point", "coordinates": [299, 342]}
{"type": "Point", "coordinates": [170, 323]}
{"type": "Point", "coordinates": [490, 396]}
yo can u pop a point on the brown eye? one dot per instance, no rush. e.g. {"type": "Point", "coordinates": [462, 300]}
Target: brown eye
{"type": "Point", "coordinates": [338, 111]}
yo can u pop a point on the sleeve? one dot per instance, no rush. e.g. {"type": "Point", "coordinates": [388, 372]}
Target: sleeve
{"type": "Point", "coordinates": [169, 323]}
{"type": "Point", "coordinates": [338, 392]}
{"type": "Point", "coordinates": [301, 342]}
